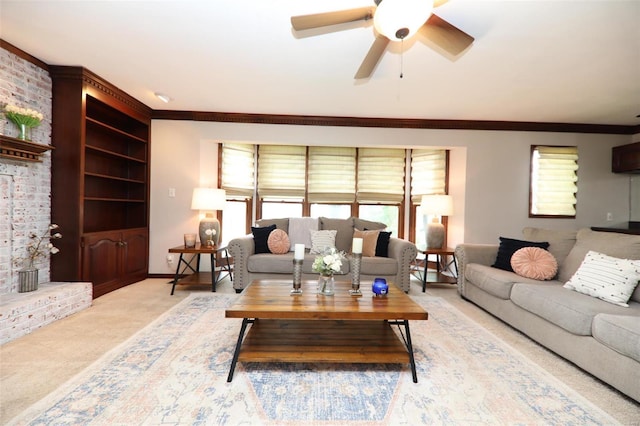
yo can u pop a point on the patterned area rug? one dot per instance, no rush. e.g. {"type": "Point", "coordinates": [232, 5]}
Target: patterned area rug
{"type": "Point", "coordinates": [174, 372]}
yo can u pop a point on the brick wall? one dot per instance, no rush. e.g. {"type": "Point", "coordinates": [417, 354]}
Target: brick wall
{"type": "Point", "coordinates": [25, 187]}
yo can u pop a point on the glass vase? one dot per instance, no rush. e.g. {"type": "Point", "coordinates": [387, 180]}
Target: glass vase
{"type": "Point", "coordinates": [24, 132]}
{"type": "Point", "coordinates": [326, 285]}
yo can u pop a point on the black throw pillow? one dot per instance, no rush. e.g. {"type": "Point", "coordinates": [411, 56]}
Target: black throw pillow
{"type": "Point", "coordinates": [508, 246]}
{"type": "Point", "coordinates": [382, 246]}
{"type": "Point", "coordinates": [260, 238]}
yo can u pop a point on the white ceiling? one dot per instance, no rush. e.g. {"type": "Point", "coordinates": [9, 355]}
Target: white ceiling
{"type": "Point", "coordinates": [569, 61]}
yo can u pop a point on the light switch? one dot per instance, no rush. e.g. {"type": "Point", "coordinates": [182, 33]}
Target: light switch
{"type": "Point", "coordinates": [172, 192]}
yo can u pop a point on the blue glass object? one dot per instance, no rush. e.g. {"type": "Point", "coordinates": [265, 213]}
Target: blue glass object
{"type": "Point", "coordinates": [380, 287]}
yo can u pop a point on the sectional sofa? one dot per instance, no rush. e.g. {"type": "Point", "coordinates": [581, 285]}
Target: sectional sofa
{"type": "Point", "coordinates": [391, 259]}
{"type": "Point", "coordinates": [598, 336]}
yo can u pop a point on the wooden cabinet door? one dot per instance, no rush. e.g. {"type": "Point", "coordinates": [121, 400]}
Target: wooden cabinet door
{"type": "Point", "coordinates": [101, 264]}
{"type": "Point", "coordinates": [135, 251]}
{"type": "Point", "coordinates": [626, 158]}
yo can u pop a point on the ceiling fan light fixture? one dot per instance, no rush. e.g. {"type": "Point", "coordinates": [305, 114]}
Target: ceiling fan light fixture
{"type": "Point", "coordinates": [401, 19]}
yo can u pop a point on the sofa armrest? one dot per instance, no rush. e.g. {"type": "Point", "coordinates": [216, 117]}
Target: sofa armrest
{"type": "Point", "coordinates": [405, 253]}
{"type": "Point", "coordinates": [240, 249]}
{"type": "Point", "coordinates": [483, 254]}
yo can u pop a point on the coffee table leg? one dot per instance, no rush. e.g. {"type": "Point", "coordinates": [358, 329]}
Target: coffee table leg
{"type": "Point", "coordinates": [409, 345]}
{"type": "Point", "coordinates": [236, 353]}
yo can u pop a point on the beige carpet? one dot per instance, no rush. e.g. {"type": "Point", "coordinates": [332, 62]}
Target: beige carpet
{"type": "Point", "coordinates": [34, 365]}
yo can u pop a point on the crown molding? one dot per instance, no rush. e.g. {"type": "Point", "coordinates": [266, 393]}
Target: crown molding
{"type": "Point", "coordinates": [22, 54]}
{"type": "Point", "coordinates": [401, 123]}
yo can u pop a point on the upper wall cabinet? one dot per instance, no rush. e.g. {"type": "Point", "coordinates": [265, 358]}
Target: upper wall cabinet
{"type": "Point", "coordinates": [626, 158]}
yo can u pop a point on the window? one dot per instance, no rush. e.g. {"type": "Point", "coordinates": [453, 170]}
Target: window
{"type": "Point", "coordinates": [380, 176]}
{"type": "Point", "coordinates": [234, 220]}
{"type": "Point", "coordinates": [237, 179]}
{"type": "Point", "coordinates": [332, 175]}
{"type": "Point", "coordinates": [294, 181]}
{"type": "Point", "coordinates": [554, 181]}
{"type": "Point", "coordinates": [428, 177]}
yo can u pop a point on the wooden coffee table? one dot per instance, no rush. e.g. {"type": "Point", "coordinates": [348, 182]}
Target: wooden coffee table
{"type": "Point", "coordinates": [315, 328]}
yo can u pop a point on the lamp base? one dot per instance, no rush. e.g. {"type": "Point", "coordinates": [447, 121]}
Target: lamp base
{"type": "Point", "coordinates": [435, 235]}
{"type": "Point", "coordinates": [209, 223]}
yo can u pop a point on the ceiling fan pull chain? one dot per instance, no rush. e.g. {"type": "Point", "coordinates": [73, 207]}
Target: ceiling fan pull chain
{"type": "Point", "coordinates": [401, 58]}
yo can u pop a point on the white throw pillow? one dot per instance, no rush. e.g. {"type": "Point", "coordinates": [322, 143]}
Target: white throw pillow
{"type": "Point", "coordinates": [299, 230]}
{"type": "Point", "coordinates": [605, 277]}
{"type": "Point", "coordinates": [321, 240]}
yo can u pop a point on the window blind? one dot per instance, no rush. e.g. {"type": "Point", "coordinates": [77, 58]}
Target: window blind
{"type": "Point", "coordinates": [554, 180]}
{"type": "Point", "coordinates": [380, 177]}
{"type": "Point", "coordinates": [238, 170]}
{"type": "Point", "coordinates": [332, 175]}
{"type": "Point", "coordinates": [428, 173]}
{"type": "Point", "coordinates": [281, 172]}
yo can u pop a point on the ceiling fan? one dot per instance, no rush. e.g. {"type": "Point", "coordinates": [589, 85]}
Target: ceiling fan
{"type": "Point", "coordinates": [394, 20]}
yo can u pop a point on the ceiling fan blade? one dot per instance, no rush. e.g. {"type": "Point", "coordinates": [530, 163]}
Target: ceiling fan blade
{"type": "Point", "coordinates": [305, 22]}
{"type": "Point", "coordinates": [445, 35]}
{"type": "Point", "coordinates": [371, 60]}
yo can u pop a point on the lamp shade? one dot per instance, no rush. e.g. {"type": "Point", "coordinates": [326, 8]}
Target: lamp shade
{"type": "Point", "coordinates": [438, 205]}
{"type": "Point", "coordinates": [208, 199]}
{"type": "Point", "coordinates": [400, 19]}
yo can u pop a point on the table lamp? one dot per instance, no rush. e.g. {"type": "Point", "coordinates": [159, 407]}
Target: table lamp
{"type": "Point", "coordinates": [436, 205]}
{"type": "Point", "coordinates": [208, 200]}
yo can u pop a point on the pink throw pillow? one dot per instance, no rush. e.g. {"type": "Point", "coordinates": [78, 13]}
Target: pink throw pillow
{"type": "Point", "coordinates": [278, 242]}
{"type": "Point", "coordinates": [535, 263]}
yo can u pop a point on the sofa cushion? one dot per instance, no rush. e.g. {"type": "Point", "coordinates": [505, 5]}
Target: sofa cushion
{"type": "Point", "coordinates": [279, 223]}
{"type": "Point", "coordinates": [261, 238]}
{"type": "Point", "coordinates": [369, 241]}
{"type": "Point", "coordinates": [567, 309]}
{"type": "Point", "coordinates": [268, 263]}
{"type": "Point", "coordinates": [344, 237]}
{"type": "Point", "coordinates": [494, 281]}
{"type": "Point", "coordinates": [368, 224]}
{"type": "Point", "coordinates": [606, 277]}
{"type": "Point", "coordinates": [619, 332]}
{"type": "Point", "coordinates": [322, 240]}
{"type": "Point", "coordinates": [508, 246]}
{"type": "Point", "coordinates": [382, 246]}
{"type": "Point", "coordinates": [610, 243]}
{"type": "Point", "coordinates": [299, 228]}
{"type": "Point", "coordinates": [560, 242]}
{"type": "Point", "coordinates": [278, 242]}
{"type": "Point", "coordinates": [535, 263]}
{"type": "Point", "coordinates": [379, 266]}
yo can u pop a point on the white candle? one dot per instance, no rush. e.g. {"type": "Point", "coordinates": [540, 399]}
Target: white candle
{"type": "Point", "coordinates": [357, 245]}
{"type": "Point", "coordinates": [298, 253]}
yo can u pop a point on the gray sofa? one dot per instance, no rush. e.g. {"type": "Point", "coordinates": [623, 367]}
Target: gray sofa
{"type": "Point", "coordinates": [600, 337]}
{"type": "Point", "coordinates": [249, 266]}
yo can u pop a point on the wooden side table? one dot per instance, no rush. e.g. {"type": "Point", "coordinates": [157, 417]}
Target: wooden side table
{"type": "Point", "coordinates": [187, 263]}
{"type": "Point", "coordinates": [441, 265]}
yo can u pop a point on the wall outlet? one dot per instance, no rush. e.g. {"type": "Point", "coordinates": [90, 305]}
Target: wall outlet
{"type": "Point", "coordinates": [609, 217]}
{"type": "Point", "coordinates": [172, 192]}
{"type": "Point", "coordinates": [169, 258]}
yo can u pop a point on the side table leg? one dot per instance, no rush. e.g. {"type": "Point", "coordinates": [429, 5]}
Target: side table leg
{"type": "Point", "coordinates": [213, 272]}
{"type": "Point", "coordinates": [175, 277]}
{"type": "Point", "coordinates": [236, 353]}
{"type": "Point", "coordinates": [424, 273]}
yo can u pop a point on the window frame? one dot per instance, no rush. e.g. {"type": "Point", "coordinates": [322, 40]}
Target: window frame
{"type": "Point", "coordinates": [532, 215]}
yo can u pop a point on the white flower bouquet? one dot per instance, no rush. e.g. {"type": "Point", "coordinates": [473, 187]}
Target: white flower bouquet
{"type": "Point", "coordinates": [23, 116]}
{"type": "Point", "coordinates": [329, 262]}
